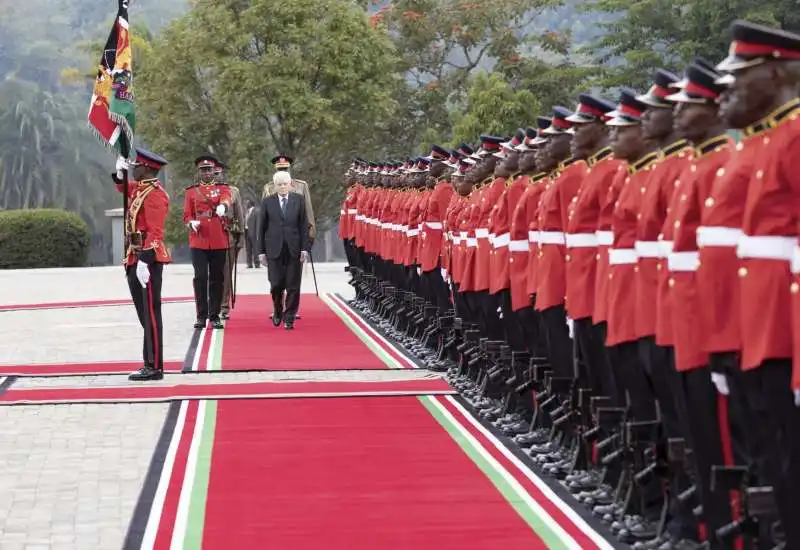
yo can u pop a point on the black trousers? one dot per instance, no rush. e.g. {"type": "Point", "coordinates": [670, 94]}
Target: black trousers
{"type": "Point", "coordinates": [774, 437]}
{"type": "Point", "coordinates": [632, 380]}
{"type": "Point", "coordinates": [148, 309]}
{"type": "Point", "coordinates": [350, 252]}
{"type": "Point", "coordinates": [209, 280]}
{"type": "Point", "coordinates": [710, 440]}
{"type": "Point", "coordinates": [250, 250]}
{"type": "Point", "coordinates": [484, 306]}
{"type": "Point", "coordinates": [511, 326]}
{"type": "Point", "coordinates": [284, 279]}
{"type": "Point", "coordinates": [436, 290]}
{"type": "Point", "coordinates": [594, 370]}
{"type": "Point", "coordinates": [530, 324]}
{"type": "Point", "coordinates": [559, 345]}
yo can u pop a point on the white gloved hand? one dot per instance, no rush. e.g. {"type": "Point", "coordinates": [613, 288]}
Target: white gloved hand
{"type": "Point", "coordinates": [571, 327]}
{"type": "Point", "coordinates": [303, 256]}
{"type": "Point", "coordinates": [419, 270]}
{"type": "Point", "coordinates": [221, 210]}
{"type": "Point", "coordinates": [720, 382]}
{"type": "Point", "coordinates": [797, 398]}
{"type": "Point", "coordinates": [194, 225]}
{"type": "Point", "coordinates": [263, 259]}
{"type": "Point", "coordinates": [122, 165]}
{"type": "Point", "coordinates": [143, 273]}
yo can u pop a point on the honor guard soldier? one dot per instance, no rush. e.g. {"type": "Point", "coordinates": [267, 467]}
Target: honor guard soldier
{"type": "Point", "coordinates": [206, 212]}
{"type": "Point", "coordinates": [145, 253]}
{"type": "Point", "coordinates": [235, 242]}
{"type": "Point", "coordinates": [764, 67]}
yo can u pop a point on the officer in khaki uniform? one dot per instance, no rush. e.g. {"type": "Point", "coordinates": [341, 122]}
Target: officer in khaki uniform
{"type": "Point", "coordinates": [235, 240]}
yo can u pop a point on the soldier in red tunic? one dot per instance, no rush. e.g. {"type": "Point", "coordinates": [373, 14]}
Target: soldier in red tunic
{"type": "Point", "coordinates": [708, 431]}
{"type": "Point", "coordinates": [551, 264]}
{"type": "Point", "coordinates": [206, 209]}
{"type": "Point", "coordinates": [590, 142]}
{"type": "Point", "coordinates": [146, 254]}
{"type": "Point", "coordinates": [764, 67]}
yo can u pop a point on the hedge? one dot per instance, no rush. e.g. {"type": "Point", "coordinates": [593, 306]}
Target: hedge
{"type": "Point", "coordinates": [42, 238]}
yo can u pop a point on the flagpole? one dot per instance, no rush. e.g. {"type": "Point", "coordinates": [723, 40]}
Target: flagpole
{"type": "Point", "coordinates": [124, 151]}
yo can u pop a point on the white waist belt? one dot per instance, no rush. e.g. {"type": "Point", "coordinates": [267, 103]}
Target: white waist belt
{"type": "Point", "coordinates": [456, 240]}
{"type": "Point", "coordinates": [551, 237]}
{"type": "Point", "coordinates": [718, 236]}
{"type": "Point", "coordinates": [796, 261]}
{"type": "Point", "coordinates": [665, 248]}
{"type": "Point", "coordinates": [472, 242]}
{"type": "Point", "coordinates": [647, 249]}
{"type": "Point", "coordinates": [581, 240]}
{"type": "Point", "coordinates": [604, 238]}
{"type": "Point", "coordinates": [502, 240]}
{"type": "Point", "coordinates": [359, 217]}
{"type": "Point", "coordinates": [622, 256]}
{"type": "Point", "coordinates": [463, 234]}
{"type": "Point", "coordinates": [683, 261]}
{"type": "Point", "coordinates": [412, 232]}
{"type": "Point", "coordinates": [533, 236]}
{"type": "Point", "coordinates": [351, 210]}
{"type": "Point", "coordinates": [767, 247]}
{"type": "Point", "coordinates": [518, 246]}
{"type": "Point", "coordinates": [434, 225]}
{"type": "Point", "coordinates": [482, 233]}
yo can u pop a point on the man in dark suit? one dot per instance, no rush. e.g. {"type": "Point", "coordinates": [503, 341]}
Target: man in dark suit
{"type": "Point", "coordinates": [250, 234]}
{"type": "Point", "coordinates": [283, 242]}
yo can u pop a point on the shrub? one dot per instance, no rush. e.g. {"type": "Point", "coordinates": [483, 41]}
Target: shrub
{"type": "Point", "coordinates": [38, 238]}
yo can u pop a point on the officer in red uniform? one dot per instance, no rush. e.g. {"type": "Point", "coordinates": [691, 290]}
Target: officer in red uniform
{"type": "Point", "coordinates": [553, 219]}
{"type": "Point", "coordinates": [764, 81]}
{"type": "Point", "coordinates": [590, 142]}
{"type": "Point", "coordinates": [206, 209]}
{"type": "Point", "coordinates": [146, 254]}
{"type": "Point", "coordinates": [709, 433]}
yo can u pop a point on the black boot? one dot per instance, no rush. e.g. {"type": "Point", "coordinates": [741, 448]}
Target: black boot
{"type": "Point", "coordinates": [147, 372]}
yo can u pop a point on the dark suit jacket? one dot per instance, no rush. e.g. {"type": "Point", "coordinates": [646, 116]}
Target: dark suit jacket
{"type": "Point", "coordinates": [276, 228]}
{"type": "Point", "coordinates": [251, 222]}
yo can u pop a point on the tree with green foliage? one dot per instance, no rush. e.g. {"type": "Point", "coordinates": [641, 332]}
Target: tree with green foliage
{"type": "Point", "coordinates": [493, 106]}
{"type": "Point", "coordinates": [305, 78]}
{"type": "Point", "coordinates": [442, 43]}
{"type": "Point", "coordinates": [647, 34]}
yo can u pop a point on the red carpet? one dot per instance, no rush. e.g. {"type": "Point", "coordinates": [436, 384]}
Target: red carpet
{"type": "Point", "coordinates": [86, 303]}
{"type": "Point", "coordinates": [319, 341]}
{"type": "Point", "coordinates": [80, 368]}
{"type": "Point", "coordinates": [248, 390]}
{"type": "Point", "coordinates": [349, 473]}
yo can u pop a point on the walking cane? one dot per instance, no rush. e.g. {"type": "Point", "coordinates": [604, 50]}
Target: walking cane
{"type": "Point", "coordinates": [233, 282]}
{"type": "Point", "coordinates": [314, 273]}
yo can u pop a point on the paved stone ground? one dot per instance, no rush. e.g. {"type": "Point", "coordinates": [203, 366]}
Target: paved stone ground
{"type": "Point", "coordinates": [387, 375]}
{"type": "Point", "coordinates": [70, 475]}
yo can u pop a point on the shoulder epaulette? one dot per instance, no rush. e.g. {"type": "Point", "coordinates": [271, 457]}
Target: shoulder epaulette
{"type": "Point", "coordinates": [603, 153]}
{"type": "Point", "coordinates": [538, 177]}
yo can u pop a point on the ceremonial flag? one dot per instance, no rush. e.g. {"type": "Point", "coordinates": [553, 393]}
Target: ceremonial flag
{"type": "Point", "coordinates": [112, 114]}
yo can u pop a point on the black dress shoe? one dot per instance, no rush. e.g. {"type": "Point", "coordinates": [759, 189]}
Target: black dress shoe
{"type": "Point", "coordinates": [276, 319]}
{"type": "Point", "coordinates": [147, 372]}
{"type": "Point", "coordinates": [224, 315]}
{"type": "Point", "coordinates": [200, 322]}
{"type": "Point", "coordinates": [288, 323]}
{"type": "Point", "coordinates": [217, 323]}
